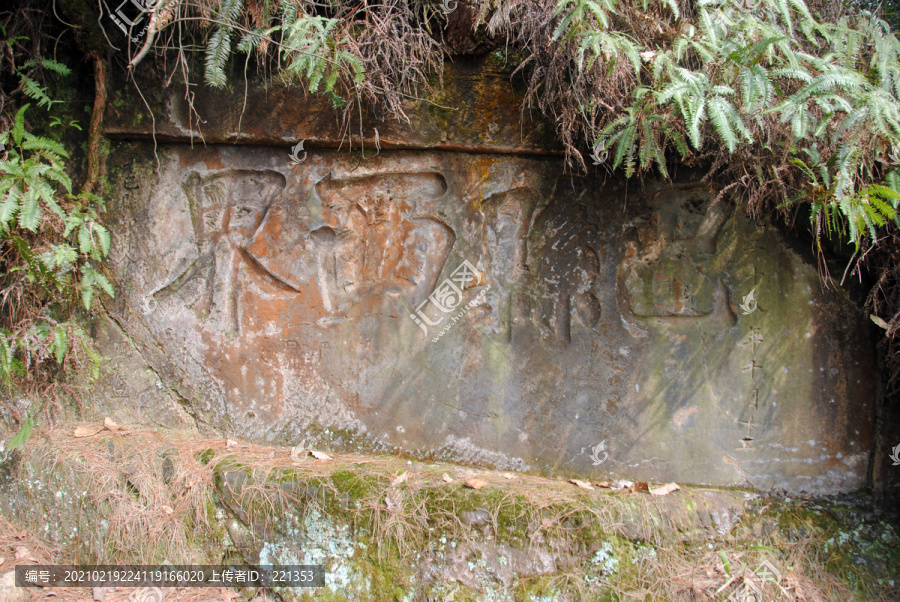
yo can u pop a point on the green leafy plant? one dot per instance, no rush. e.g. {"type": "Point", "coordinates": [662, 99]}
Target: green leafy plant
{"type": "Point", "coordinates": [51, 247]}
{"type": "Point", "coordinates": [313, 52]}
{"type": "Point", "coordinates": [31, 87]}
{"type": "Point", "coordinates": [22, 436]}
{"type": "Point", "coordinates": [753, 90]}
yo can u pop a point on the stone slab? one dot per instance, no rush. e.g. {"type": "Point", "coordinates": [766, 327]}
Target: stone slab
{"type": "Point", "coordinates": [478, 109]}
{"type": "Point", "coordinates": [487, 309]}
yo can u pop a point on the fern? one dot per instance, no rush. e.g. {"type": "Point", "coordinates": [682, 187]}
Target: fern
{"type": "Point", "coordinates": [32, 178]}
{"type": "Point", "coordinates": [34, 90]}
{"type": "Point", "coordinates": [580, 16]}
{"type": "Point", "coordinates": [313, 53]}
{"type": "Point", "coordinates": [612, 45]}
{"type": "Point", "coordinates": [218, 47]}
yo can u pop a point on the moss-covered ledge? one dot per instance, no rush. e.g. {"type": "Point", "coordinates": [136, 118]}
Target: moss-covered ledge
{"type": "Point", "coordinates": [387, 528]}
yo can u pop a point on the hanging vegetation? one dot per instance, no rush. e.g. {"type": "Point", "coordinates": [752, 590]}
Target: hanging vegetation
{"type": "Point", "coordinates": [793, 109]}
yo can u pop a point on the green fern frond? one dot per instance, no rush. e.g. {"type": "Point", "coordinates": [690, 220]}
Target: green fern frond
{"type": "Point", "coordinates": [218, 48]}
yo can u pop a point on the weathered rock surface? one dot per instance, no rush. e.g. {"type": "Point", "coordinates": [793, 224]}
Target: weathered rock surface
{"type": "Point", "coordinates": [134, 497]}
{"type": "Point", "coordinates": [482, 308]}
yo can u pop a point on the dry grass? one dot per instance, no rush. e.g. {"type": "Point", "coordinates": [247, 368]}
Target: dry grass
{"type": "Point", "coordinates": [21, 547]}
{"type": "Point", "coordinates": [156, 493]}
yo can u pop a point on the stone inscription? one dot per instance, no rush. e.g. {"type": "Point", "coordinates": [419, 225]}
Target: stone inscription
{"type": "Point", "coordinates": [281, 296]}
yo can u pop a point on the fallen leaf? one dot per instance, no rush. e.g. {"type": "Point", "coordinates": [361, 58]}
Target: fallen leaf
{"type": "Point", "coordinates": [168, 509]}
{"type": "Point", "coordinates": [639, 486]}
{"type": "Point", "coordinates": [621, 484]}
{"type": "Point", "coordinates": [230, 595]}
{"type": "Point", "coordinates": [231, 443]}
{"type": "Point", "coordinates": [603, 484]}
{"type": "Point", "coordinates": [665, 489]}
{"type": "Point", "coordinates": [319, 455]}
{"type": "Point", "coordinates": [474, 483]}
{"type": "Point", "coordinates": [581, 484]}
{"type": "Point", "coordinates": [400, 479]}
{"type": "Point", "coordinates": [110, 425]}
{"type": "Point", "coordinates": [23, 553]}
{"type": "Point", "coordinates": [87, 431]}
{"type": "Point", "coordinates": [508, 475]}
{"type": "Point", "coordinates": [447, 478]}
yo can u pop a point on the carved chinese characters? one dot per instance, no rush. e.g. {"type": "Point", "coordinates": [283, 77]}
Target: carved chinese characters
{"type": "Point", "coordinates": [469, 307]}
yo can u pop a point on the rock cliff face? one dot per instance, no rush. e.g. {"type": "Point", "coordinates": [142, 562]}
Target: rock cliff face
{"type": "Point", "coordinates": [458, 297]}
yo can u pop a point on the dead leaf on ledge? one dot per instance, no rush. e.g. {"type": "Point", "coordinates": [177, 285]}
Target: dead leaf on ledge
{"type": "Point", "coordinates": [319, 455]}
{"type": "Point", "coordinates": [447, 478]}
{"type": "Point", "coordinates": [604, 484]}
{"type": "Point", "coordinates": [474, 483]}
{"type": "Point", "coordinates": [112, 426]}
{"type": "Point", "coordinates": [621, 484]}
{"type": "Point", "coordinates": [86, 431]}
{"type": "Point", "coordinates": [508, 475]}
{"type": "Point", "coordinates": [231, 443]}
{"type": "Point", "coordinates": [581, 484]}
{"type": "Point", "coordinates": [168, 509]}
{"type": "Point", "coordinates": [399, 479]}
{"type": "Point", "coordinates": [664, 489]}
{"type": "Point", "coordinates": [639, 486]}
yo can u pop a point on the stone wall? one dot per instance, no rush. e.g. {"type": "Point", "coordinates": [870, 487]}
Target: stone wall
{"type": "Point", "coordinates": [457, 296]}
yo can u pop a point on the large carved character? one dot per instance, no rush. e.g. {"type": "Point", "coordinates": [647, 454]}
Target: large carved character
{"type": "Point", "coordinates": [225, 208]}
{"type": "Point", "coordinates": [562, 270]}
{"type": "Point", "coordinates": [369, 242]}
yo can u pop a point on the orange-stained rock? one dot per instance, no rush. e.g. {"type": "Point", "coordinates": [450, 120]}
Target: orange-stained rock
{"type": "Point", "coordinates": [466, 299]}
